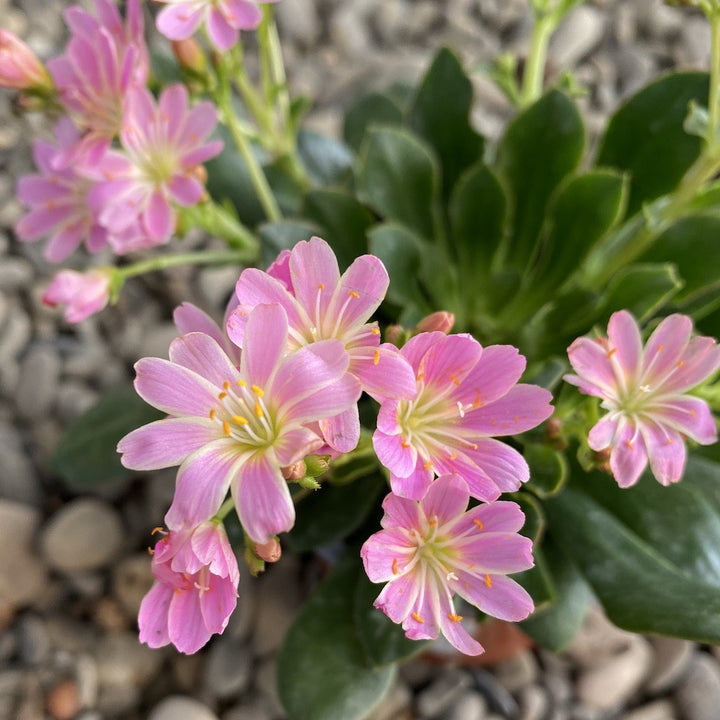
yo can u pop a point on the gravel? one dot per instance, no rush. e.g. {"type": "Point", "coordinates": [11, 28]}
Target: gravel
{"type": "Point", "coordinates": [74, 569]}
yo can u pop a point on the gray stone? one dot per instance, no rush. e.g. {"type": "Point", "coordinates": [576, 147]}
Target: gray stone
{"type": "Point", "coordinates": [22, 574]}
{"type": "Point", "coordinates": [577, 36]}
{"type": "Point", "coordinates": [228, 668]}
{"type": "Point", "coordinates": [435, 700]}
{"type": "Point", "coordinates": [131, 579]}
{"type": "Point", "coordinates": [266, 684]}
{"type": "Point", "coordinates": [698, 697]}
{"type": "Point", "coordinates": [252, 709]}
{"type": "Point", "coordinates": [397, 702]}
{"type": "Point", "coordinates": [534, 703]}
{"type": "Point", "coordinates": [597, 640]}
{"type": "Point", "coordinates": [609, 685]}
{"type": "Point", "coordinates": [18, 479]}
{"type": "Point", "coordinates": [33, 641]}
{"type": "Point", "coordinates": [671, 657]}
{"type": "Point", "coordinates": [15, 333]}
{"type": "Point", "coordinates": [85, 534]}
{"type": "Point", "coordinates": [298, 21]}
{"type": "Point", "coordinates": [38, 382]}
{"type": "Point", "coordinates": [470, 705]}
{"type": "Point", "coordinates": [16, 273]}
{"type": "Point", "coordinates": [658, 710]}
{"type": "Point", "coordinates": [179, 707]}
{"type": "Point", "coordinates": [73, 399]}
{"type": "Point", "coordinates": [517, 672]}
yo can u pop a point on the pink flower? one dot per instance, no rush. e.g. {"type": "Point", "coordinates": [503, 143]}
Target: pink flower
{"type": "Point", "coordinates": [322, 304]}
{"type": "Point", "coordinates": [190, 318]}
{"type": "Point", "coordinates": [83, 294]}
{"type": "Point", "coordinates": [20, 68]}
{"type": "Point", "coordinates": [235, 427]}
{"type": "Point", "coordinates": [430, 550]}
{"type": "Point", "coordinates": [195, 589]}
{"type": "Point", "coordinates": [59, 197]}
{"type": "Point", "coordinates": [164, 146]}
{"type": "Point", "coordinates": [644, 391]}
{"type": "Point", "coordinates": [103, 60]}
{"type": "Point", "coordinates": [466, 394]}
{"type": "Point", "coordinates": [223, 19]}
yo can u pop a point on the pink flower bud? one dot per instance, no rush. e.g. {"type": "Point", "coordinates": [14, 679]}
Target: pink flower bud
{"type": "Point", "coordinates": [442, 321]}
{"type": "Point", "coordinates": [269, 551]}
{"type": "Point", "coordinates": [190, 55]}
{"type": "Point", "coordinates": [20, 68]}
{"type": "Point", "coordinates": [82, 293]}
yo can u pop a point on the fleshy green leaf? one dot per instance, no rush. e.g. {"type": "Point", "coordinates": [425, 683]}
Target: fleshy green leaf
{"type": "Point", "coordinates": [440, 114]}
{"type": "Point", "coordinates": [647, 550]}
{"type": "Point", "coordinates": [540, 147]}
{"type": "Point", "coordinates": [344, 220]}
{"type": "Point", "coordinates": [327, 160]}
{"type": "Point", "coordinates": [398, 177]}
{"type": "Point", "coordinates": [548, 469]}
{"type": "Point", "coordinates": [323, 673]}
{"type": "Point", "coordinates": [646, 136]}
{"type": "Point", "coordinates": [375, 108]}
{"type": "Point", "coordinates": [87, 453]}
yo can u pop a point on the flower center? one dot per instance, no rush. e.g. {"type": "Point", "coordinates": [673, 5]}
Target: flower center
{"type": "Point", "coordinates": [244, 414]}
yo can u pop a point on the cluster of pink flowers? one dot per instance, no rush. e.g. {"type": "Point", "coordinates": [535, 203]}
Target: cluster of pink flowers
{"type": "Point", "coordinates": [281, 381]}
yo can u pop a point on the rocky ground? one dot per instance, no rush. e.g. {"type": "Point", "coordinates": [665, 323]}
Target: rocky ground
{"type": "Point", "coordinates": [73, 567]}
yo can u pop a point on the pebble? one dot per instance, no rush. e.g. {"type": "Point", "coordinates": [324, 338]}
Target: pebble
{"type": "Point", "coordinates": [228, 668]}
{"type": "Point", "coordinates": [671, 657]}
{"type": "Point", "coordinates": [37, 383]}
{"type": "Point", "coordinates": [85, 534]}
{"type": "Point", "coordinates": [394, 705]}
{"type": "Point", "coordinates": [179, 707]}
{"type": "Point", "coordinates": [63, 700]}
{"type": "Point", "coordinates": [299, 21]}
{"type": "Point", "coordinates": [436, 698]}
{"type": "Point", "coordinates": [658, 710]}
{"type": "Point", "coordinates": [131, 580]}
{"type": "Point", "coordinates": [469, 706]}
{"type": "Point", "coordinates": [698, 697]}
{"type": "Point", "coordinates": [534, 703]}
{"type": "Point", "coordinates": [16, 273]}
{"type": "Point", "coordinates": [18, 479]}
{"type": "Point", "coordinates": [517, 672]}
{"type": "Point", "coordinates": [33, 641]}
{"type": "Point", "coordinates": [577, 36]}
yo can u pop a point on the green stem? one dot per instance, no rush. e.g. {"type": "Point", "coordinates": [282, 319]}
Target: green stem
{"type": "Point", "coordinates": [714, 99]}
{"type": "Point", "coordinates": [161, 262]}
{"type": "Point", "coordinates": [257, 176]}
{"type": "Point", "coordinates": [225, 508]}
{"type": "Point", "coordinates": [534, 74]}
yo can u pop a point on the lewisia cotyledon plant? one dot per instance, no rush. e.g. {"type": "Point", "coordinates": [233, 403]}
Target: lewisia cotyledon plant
{"type": "Point", "coordinates": [195, 590]}
{"type": "Point", "coordinates": [82, 294]}
{"type": "Point", "coordinates": [236, 428]}
{"type": "Point", "coordinates": [431, 550]}
{"type": "Point", "coordinates": [322, 304]}
{"type": "Point", "coordinates": [466, 395]}
{"type": "Point", "coordinates": [644, 390]}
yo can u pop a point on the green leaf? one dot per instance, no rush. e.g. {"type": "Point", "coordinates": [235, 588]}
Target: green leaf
{"type": "Point", "coordinates": [646, 550]}
{"type": "Point", "coordinates": [440, 114]}
{"type": "Point", "coordinates": [334, 512]}
{"type": "Point", "coordinates": [283, 235]}
{"type": "Point", "coordinates": [398, 177]}
{"type": "Point", "coordinates": [344, 222]}
{"type": "Point", "coordinates": [646, 136]}
{"type": "Point", "coordinates": [555, 625]}
{"type": "Point", "coordinates": [478, 209]}
{"type": "Point", "coordinates": [642, 289]}
{"type": "Point", "coordinates": [692, 244]}
{"type": "Point", "coordinates": [585, 208]}
{"type": "Point", "coordinates": [383, 641]}
{"type": "Point", "coordinates": [540, 147]}
{"type": "Point", "coordinates": [87, 453]}
{"type": "Point", "coordinates": [323, 673]}
{"type": "Point", "coordinates": [373, 109]}
{"type": "Point", "coordinates": [327, 160]}
{"type": "Point", "coordinates": [548, 469]}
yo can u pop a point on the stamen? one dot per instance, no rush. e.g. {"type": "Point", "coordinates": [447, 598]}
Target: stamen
{"type": "Point", "coordinates": [158, 529]}
{"type": "Point", "coordinates": [433, 521]}
{"type": "Point", "coordinates": [454, 379]}
{"type": "Point", "coordinates": [451, 576]}
{"type": "Point", "coordinates": [488, 581]}
{"type": "Point", "coordinates": [150, 551]}
{"type": "Point", "coordinates": [404, 445]}
{"type": "Point", "coordinates": [258, 409]}
{"type": "Point", "coordinates": [212, 413]}
{"type": "Point", "coordinates": [241, 383]}
{"type": "Point", "coordinates": [352, 293]}
{"type": "Point", "coordinates": [321, 286]}
{"type": "Point", "coordinates": [659, 348]}
{"type": "Point", "coordinates": [226, 427]}
{"type": "Point", "coordinates": [395, 567]}
{"type": "Point", "coordinates": [222, 395]}
{"type": "Point", "coordinates": [257, 390]}
{"type": "Point", "coordinates": [610, 353]}
{"type": "Point", "coordinates": [375, 331]}
{"type": "Point", "coordinates": [417, 617]}
{"type": "Point", "coordinates": [427, 466]}
{"type": "Point", "coordinates": [454, 617]}
{"type": "Point", "coordinates": [240, 420]}
{"type": "Point", "coordinates": [453, 456]}
{"type": "Point", "coordinates": [478, 523]}
{"type": "Point", "coordinates": [679, 363]}
{"type": "Point", "coordinates": [226, 385]}
{"type": "Point", "coordinates": [461, 409]}
{"type": "Point", "coordinates": [376, 357]}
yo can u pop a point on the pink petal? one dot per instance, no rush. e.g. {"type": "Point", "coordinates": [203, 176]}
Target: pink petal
{"type": "Point", "coordinates": [624, 338]}
{"type": "Point", "coordinates": [522, 408]}
{"type": "Point", "coordinates": [255, 287]}
{"type": "Point", "coordinates": [41, 221]}
{"type": "Point", "coordinates": [165, 443]}
{"type": "Point", "coordinates": [458, 636]}
{"type": "Point", "coordinates": [666, 452]}
{"type": "Point", "coordinates": [480, 484]}
{"type": "Point", "coordinates": [212, 548]}
{"type": "Point", "coordinates": [414, 350]}
{"type": "Point", "coordinates": [342, 432]}
{"type": "Point", "coordinates": [495, 517]}
{"type": "Point", "coordinates": [202, 483]}
{"type": "Point", "coordinates": [359, 293]}
{"type": "Point", "coordinates": [446, 499]}
{"type": "Point", "coordinates": [385, 554]}
{"type": "Point", "coordinates": [158, 218]}
{"type": "Point", "coordinates": [491, 553]}
{"type": "Point", "coordinates": [185, 190]}
{"type": "Point", "coordinates": [218, 604]}
{"type": "Point", "coordinates": [294, 444]}
{"type": "Point", "coordinates": [628, 458]}
{"type": "Point", "coordinates": [497, 370]}
{"type": "Point", "coordinates": [386, 375]}
{"type": "Point", "coordinates": [174, 389]}
{"type": "Point", "coordinates": [689, 416]}
{"type": "Point", "coordinates": [221, 33]}
{"type": "Point", "coordinates": [699, 361]}
{"type": "Point", "coordinates": [242, 14]}
{"type": "Point", "coordinates": [504, 465]}
{"type": "Point", "coordinates": [391, 452]}
{"type": "Point", "coordinates": [387, 420]}
{"type": "Point", "coordinates": [595, 373]}
{"type": "Point", "coordinates": [190, 318]}
{"type": "Point", "coordinates": [264, 343]}
{"type": "Point", "coordinates": [173, 107]}
{"type": "Point", "coordinates": [400, 512]}
{"type": "Point", "coordinates": [665, 347]}
{"type": "Point", "coordinates": [504, 599]}
{"type": "Point", "coordinates": [202, 354]}
{"type": "Point", "coordinates": [431, 602]}
{"type": "Point", "coordinates": [416, 484]}
{"type": "Point", "coordinates": [199, 123]}
{"type": "Point", "coordinates": [153, 616]}
{"type": "Point", "coordinates": [398, 597]}
{"type": "Point", "coordinates": [185, 622]}
{"type": "Point", "coordinates": [64, 243]}
{"type": "Point", "coordinates": [602, 434]}
{"type": "Point", "coordinates": [201, 153]}
{"type": "Point", "coordinates": [262, 499]}
{"type": "Point", "coordinates": [178, 22]}
{"type": "Point", "coordinates": [449, 361]}
{"type": "Point", "coordinates": [315, 275]}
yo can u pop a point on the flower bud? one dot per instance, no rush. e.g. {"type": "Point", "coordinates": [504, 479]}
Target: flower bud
{"type": "Point", "coordinates": [442, 321]}
{"type": "Point", "coordinates": [83, 294]}
{"type": "Point", "coordinates": [254, 562]}
{"type": "Point", "coordinates": [395, 334]}
{"type": "Point", "coordinates": [295, 472]}
{"type": "Point", "coordinates": [20, 68]}
{"type": "Point", "coordinates": [190, 55]}
{"type": "Point", "coordinates": [317, 465]}
{"type": "Point", "coordinates": [269, 551]}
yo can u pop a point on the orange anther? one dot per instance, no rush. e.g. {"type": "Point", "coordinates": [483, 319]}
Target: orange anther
{"type": "Point", "coordinates": [417, 617]}
{"type": "Point", "coordinates": [478, 523]}
{"type": "Point", "coordinates": [376, 357]}
{"type": "Point", "coordinates": [226, 427]}
{"type": "Point", "coordinates": [611, 352]}
{"type": "Point", "coordinates": [454, 617]}
{"type": "Point", "coordinates": [395, 566]}
{"type": "Point", "coordinates": [488, 581]}
{"type": "Point", "coordinates": [352, 293]}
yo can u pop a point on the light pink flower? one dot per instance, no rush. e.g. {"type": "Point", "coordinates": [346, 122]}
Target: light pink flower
{"type": "Point", "coordinates": [59, 197]}
{"type": "Point", "coordinates": [164, 144]}
{"type": "Point", "coordinates": [83, 294]}
{"type": "Point", "coordinates": [190, 318]}
{"type": "Point", "coordinates": [431, 550]}
{"type": "Point", "coordinates": [322, 304]}
{"type": "Point", "coordinates": [644, 391]}
{"type": "Point", "coordinates": [20, 68]}
{"type": "Point", "coordinates": [103, 60]}
{"type": "Point", "coordinates": [222, 18]}
{"type": "Point", "coordinates": [195, 589]}
{"type": "Point", "coordinates": [466, 395]}
{"type": "Point", "coordinates": [235, 427]}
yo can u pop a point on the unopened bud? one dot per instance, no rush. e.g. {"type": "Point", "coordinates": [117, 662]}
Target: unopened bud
{"type": "Point", "coordinates": [438, 321]}
{"type": "Point", "coordinates": [317, 465]}
{"type": "Point", "coordinates": [269, 551]}
{"type": "Point", "coordinates": [395, 334]}
{"type": "Point", "coordinates": [20, 68]}
{"type": "Point", "coordinates": [294, 472]}
{"type": "Point", "coordinates": [254, 562]}
{"type": "Point", "coordinates": [190, 55]}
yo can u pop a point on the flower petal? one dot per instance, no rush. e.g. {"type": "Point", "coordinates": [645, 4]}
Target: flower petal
{"type": "Point", "coordinates": [699, 361]}
{"type": "Point", "coordinates": [221, 33]}
{"type": "Point", "coordinates": [666, 452]}
{"type": "Point", "coordinates": [522, 408]}
{"type": "Point", "coordinates": [628, 457]}
{"type": "Point", "coordinates": [494, 552]}
{"type": "Point", "coordinates": [186, 627]}
{"type": "Point", "coordinates": [414, 485]}
{"type": "Point", "coordinates": [504, 465]}
{"type": "Point", "coordinates": [202, 354]}
{"type": "Point", "coordinates": [178, 21]}
{"type": "Point", "coordinates": [315, 275]}
{"type": "Point", "coordinates": [665, 347]}
{"type": "Point", "coordinates": [264, 343]}
{"type": "Point", "coordinates": [625, 340]}
{"type": "Point", "coordinates": [294, 444]}
{"type": "Point", "coordinates": [446, 499]}
{"type": "Point", "coordinates": [603, 433]}
{"type": "Point", "coordinates": [359, 292]}
{"type": "Point", "coordinates": [595, 373]}
{"type": "Point", "coordinates": [153, 615]}
{"type": "Point", "coordinates": [495, 595]}
{"type": "Point", "coordinates": [190, 318]}
{"type": "Point", "coordinates": [342, 431]}
{"type": "Point", "coordinates": [495, 517]}
{"type": "Point", "coordinates": [397, 456]}
{"type": "Point", "coordinates": [385, 554]}
{"type": "Point", "coordinates": [158, 218]}
{"type": "Point", "coordinates": [217, 604]}
{"type": "Point", "coordinates": [497, 370]}
{"type": "Point", "coordinates": [689, 416]}
{"type": "Point", "coordinates": [385, 375]}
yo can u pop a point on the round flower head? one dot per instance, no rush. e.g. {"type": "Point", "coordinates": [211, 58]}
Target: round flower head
{"type": "Point", "coordinates": [20, 68]}
{"type": "Point", "coordinates": [466, 395]}
{"type": "Point", "coordinates": [431, 550]}
{"type": "Point", "coordinates": [322, 304]}
{"type": "Point", "coordinates": [644, 390]}
{"type": "Point", "coordinates": [236, 428]}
